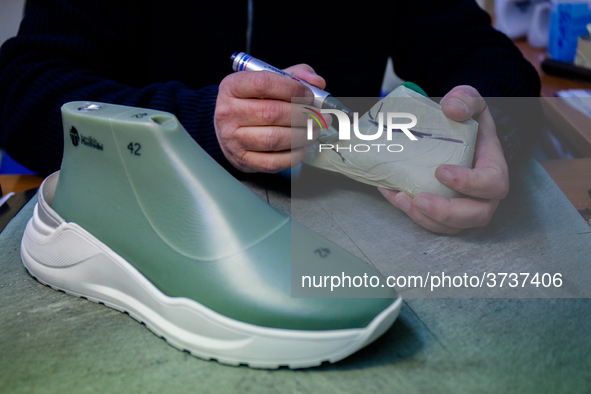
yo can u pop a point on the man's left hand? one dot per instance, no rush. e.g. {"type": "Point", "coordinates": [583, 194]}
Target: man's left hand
{"type": "Point", "coordinates": [485, 184]}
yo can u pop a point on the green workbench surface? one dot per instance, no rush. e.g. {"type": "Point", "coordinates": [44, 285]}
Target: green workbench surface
{"type": "Point", "coordinates": [53, 342]}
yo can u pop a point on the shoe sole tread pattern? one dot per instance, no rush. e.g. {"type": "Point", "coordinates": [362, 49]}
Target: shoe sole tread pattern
{"type": "Point", "coordinates": [107, 278]}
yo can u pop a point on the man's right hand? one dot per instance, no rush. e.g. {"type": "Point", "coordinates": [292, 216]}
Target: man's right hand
{"type": "Point", "coordinates": [253, 118]}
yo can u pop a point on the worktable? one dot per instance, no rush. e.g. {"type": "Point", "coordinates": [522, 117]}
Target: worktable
{"type": "Point", "coordinates": [53, 342]}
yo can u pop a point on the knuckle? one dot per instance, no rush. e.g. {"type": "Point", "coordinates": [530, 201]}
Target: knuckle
{"type": "Point", "coordinates": [440, 214]}
{"type": "Point", "coordinates": [260, 82]}
{"type": "Point", "coordinates": [503, 189]}
{"type": "Point", "coordinates": [485, 216]}
{"type": "Point", "coordinates": [229, 135]}
{"type": "Point", "coordinates": [501, 186]}
{"type": "Point", "coordinates": [273, 138]}
{"type": "Point", "coordinates": [271, 112]}
{"type": "Point", "coordinates": [443, 216]}
{"type": "Point", "coordinates": [299, 70]}
{"type": "Point", "coordinates": [226, 84]}
{"type": "Point", "coordinates": [305, 66]}
{"type": "Point", "coordinates": [420, 219]}
{"type": "Point", "coordinates": [222, 111]}
{"type": "Point", "coordinates": [225, 137]}
{"type": "Point", "coordinates": [298, 89]}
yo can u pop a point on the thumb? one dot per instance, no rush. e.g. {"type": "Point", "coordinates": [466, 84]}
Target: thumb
{"type": "Point", "coordinates": [462, 103]}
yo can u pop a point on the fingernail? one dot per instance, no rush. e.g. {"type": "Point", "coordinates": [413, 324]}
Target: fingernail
{"type": "Point", "coordinates": [444, 176]}
{"type": "Point", "coordinates": [402, 203]}
{"type": "Point", "coordinates": [309, 93]}
{"type": "Point", "coordinates": [456, 102]}
{"type": "Point", "coordinates": [422, 204]}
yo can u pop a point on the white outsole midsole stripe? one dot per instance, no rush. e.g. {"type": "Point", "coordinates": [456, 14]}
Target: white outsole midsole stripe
{"type": "Point", "coordinates": [106, 277]}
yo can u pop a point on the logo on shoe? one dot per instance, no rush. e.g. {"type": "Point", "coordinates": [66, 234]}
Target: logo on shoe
{"type": "Point", "coordinates": [74, 136]}
{"type": "Point", "coordinates": [85, 140]}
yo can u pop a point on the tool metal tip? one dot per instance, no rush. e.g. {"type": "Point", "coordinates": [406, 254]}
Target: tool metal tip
{"type": "Point", "coordinates": [232, 58]}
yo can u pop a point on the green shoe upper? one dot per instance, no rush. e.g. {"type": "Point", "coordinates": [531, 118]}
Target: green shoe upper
{"type": "Point", "coordinates": [139, 183]}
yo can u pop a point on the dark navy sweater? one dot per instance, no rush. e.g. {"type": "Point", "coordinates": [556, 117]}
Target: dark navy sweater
{"type": "Point", "coordinates": [171, 55]}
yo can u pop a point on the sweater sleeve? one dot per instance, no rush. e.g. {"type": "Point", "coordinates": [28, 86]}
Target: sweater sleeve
{"type": "Point", "coordinates": [443, 44]}
{"type": "Point", "coordinates": [73, 51]}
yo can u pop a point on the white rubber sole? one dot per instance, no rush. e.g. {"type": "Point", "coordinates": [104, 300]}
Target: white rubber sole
{"type": "Point", "coordinates": [91, 270]}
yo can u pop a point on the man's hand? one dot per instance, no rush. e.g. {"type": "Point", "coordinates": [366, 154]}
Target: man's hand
{"type": "Point", "coordinates": [253, 118]}
{"type": "Point", "coordinates": [487, 183]}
